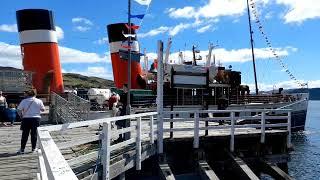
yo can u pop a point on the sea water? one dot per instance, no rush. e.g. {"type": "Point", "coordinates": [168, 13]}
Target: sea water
{"type": "Point", "coordinates": [305, 159]}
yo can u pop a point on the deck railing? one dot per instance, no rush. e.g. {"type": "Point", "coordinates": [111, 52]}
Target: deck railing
{"type": "Point", "coordinates": [52, 164]}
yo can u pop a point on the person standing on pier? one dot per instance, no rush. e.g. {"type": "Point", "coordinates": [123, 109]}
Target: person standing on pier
{"type": "Point", "coordinates": [3, 106]}
{"type": "Point", "coordinates": [30, 109]}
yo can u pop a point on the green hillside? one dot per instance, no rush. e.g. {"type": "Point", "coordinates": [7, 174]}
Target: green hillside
{"type": "Point", "coordinates": [79, 81]}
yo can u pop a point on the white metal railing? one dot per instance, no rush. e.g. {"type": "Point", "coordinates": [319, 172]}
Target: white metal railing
{"type": "Point", "coordinates": [231, 122]}
{"type": "Point", "coordinates": [52, 164]}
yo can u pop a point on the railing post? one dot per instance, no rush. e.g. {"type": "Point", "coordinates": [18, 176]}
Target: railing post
{"type": "Point", "coordinates": [232, 132]}
{"type": "Point", "coordinates": [289, 145]}
{"type": "Point", "coordinates": [196, 130]}
{"type": "Point", "coordinates": [160, 97]}
{"type": "Point", "coordinates": [138, 145]}
{"type": "Point", "coordinates": [263, 127]}
{"type": "Point", "coordinates": [151, 130]}
{"type": "Point", "coordinates": [106, 131]}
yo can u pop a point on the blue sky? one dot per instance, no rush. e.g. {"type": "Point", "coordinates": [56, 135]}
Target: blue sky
{"type": "Point", "coordinates": [291, 25]}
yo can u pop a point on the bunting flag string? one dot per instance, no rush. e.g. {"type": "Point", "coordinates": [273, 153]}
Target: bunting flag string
{"type": "Point", "coordinates": [268, 42]}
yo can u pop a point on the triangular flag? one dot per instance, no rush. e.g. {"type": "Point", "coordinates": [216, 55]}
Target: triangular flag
{"type": "Point", "coordinates": [134, 27]}
{"type": "Point", "coordinates": [139, 16]}
{"type": "Point", "coordinates": [143, 2]}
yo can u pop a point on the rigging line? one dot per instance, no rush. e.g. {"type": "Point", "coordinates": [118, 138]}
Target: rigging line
{"type": "Point", "coordinates": [258, 22]}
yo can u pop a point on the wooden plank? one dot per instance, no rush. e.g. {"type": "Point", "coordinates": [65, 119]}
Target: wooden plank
{"type": "Point", "coordinates": [206, 171]}
{"type": "Point", "coordinates": [78, 142]}
{"type": "Point", "coordinates": [274, 171]}
{"type": "Point", "coordinates": [165, 171]}
{"type": "Point", "coordinates": [242, 168]}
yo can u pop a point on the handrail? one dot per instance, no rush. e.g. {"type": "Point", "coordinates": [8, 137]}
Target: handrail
{"type": "Point", "coordinates": [56, 167]}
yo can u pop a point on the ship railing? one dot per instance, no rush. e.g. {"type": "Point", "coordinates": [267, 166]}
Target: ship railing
{"type": "Point", "coordinates": [202, 121]}
{"type": "Point", "coordinates": [80, 106]}
{"type": "Point", "coordinates": [15, 81]}
{"type": "Point", "coordinates": [274, 98]}
{"type": "Point", "coordinates": [53, 166]}
{"type": "Point", "coordinates": [66, 112]}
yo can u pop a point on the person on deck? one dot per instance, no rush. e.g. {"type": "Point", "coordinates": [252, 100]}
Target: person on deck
{"type": "Point", "coordinates": [12, 113]}
{"type": "Point", "coordinates": [29, 109]}
{"type": "Point", "coordinates": [123, 111]}
{"type": "Point", "coordinates": [3, 106]}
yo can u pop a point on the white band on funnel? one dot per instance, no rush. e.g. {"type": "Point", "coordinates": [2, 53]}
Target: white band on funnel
{"type": "Point", "coordinates": [119, 45]}
{"type": "Point", "coordinates": [38, 36]}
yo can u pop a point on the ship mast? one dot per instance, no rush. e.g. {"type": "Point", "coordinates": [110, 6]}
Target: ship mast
{"type": "Point", "coordinates": [252, 50]}
{"type": "Point", "coordinates": [129, 58]}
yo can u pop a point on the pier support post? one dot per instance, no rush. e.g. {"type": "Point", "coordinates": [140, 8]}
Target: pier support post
{"type": "Point", "coordinates": [151, 129]}
{"type": "Point", "coordinates": [289, 145]}
{"type": "Point", "coordinates": [232, 132]}
{"type": "Point", "coordinates": [196, 130]}
{"type": "Point", "coordinates": [263, 127]}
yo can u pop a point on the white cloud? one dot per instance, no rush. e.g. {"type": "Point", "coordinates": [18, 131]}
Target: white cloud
{"type": "Point", "coordinates": [82, 28]}
{"type": "Point", "coordinates": [174, 30]}
{"type": "Point", "coordinates": [93, 71]}
{"type": "Point", "coordinates": [60, 33]}
{"type": "Point", "coordinates": [82, 24]}
{"type": "Point", "coordinates": [236, 55]}
{"type": "Point", "coordinates": [178, 28]}
{"type": "Point", "coordinates": [9, 27]}
{"type": "Point", "coordinates": [300, 10]}
{"type": "Point", "coordinates": [154, 32]}
{"type": "Point", "coordinates": [269, 15]}
{"type": "Point", "coordinates": [204, 28]}
{"type": "Point", "coordinates": [101, 41]}
{"type": "Point", "coordinates": [290, 84]}
{"type": "Point", "coordinates": [10, 55]}
{"type": "Point", "coordinates": [69, 55]}
{"type": "Point", "coordinates": [213, 9]}
{"type": "Point", "coordinates": [82, 20]}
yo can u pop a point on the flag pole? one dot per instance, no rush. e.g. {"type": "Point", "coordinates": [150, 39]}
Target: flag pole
{"type": "Point", "coordinates": [129, 60]}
